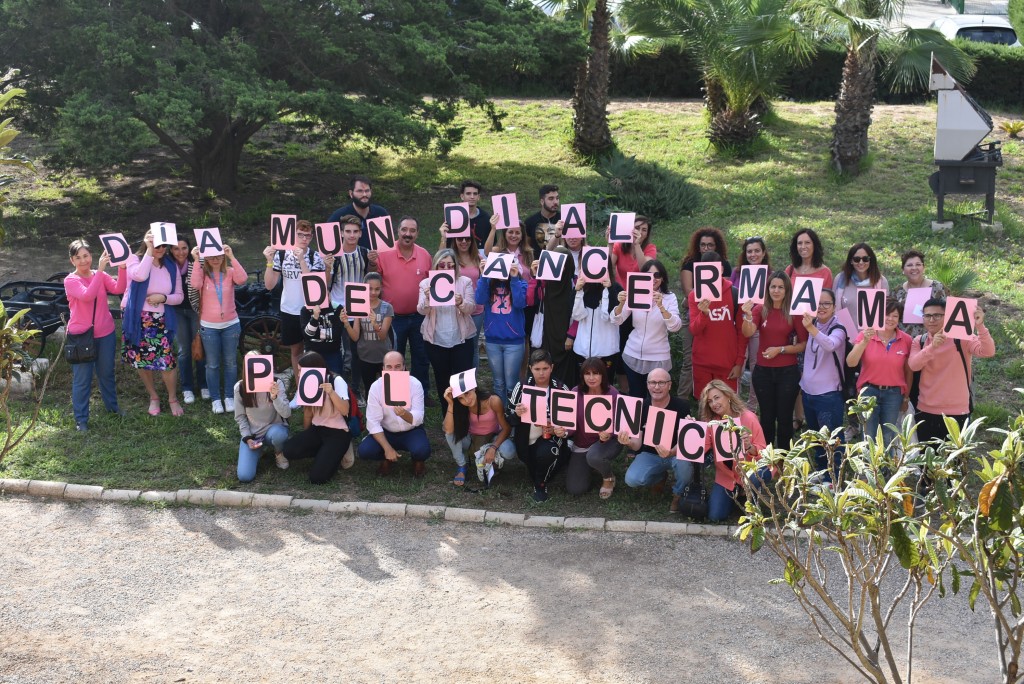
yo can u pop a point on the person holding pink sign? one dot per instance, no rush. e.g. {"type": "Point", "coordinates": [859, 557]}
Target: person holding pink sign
{"type": "Point", "coordinates": [754, 253]}
{"type": "Point", "coordinates": [192, 373]}
{"type": "Point", "coordinates": [360, 191]}
{"type": "Point", "coordinates": [776, 377]}
{"type": "Point", "coordinates": [543, 448]}
{"type": "Point", "coordinates": [860, 271]}
{"type": "Point", "coordinates": [913, 269]}
{"type": "Point", "coordinates": [647, 347]}
{"type": "Point", "coordinates": [807, 257]}
{"type": "Point", "coordinates": [596, 333]}
{"type": "Point", "coordinates": [472, 421]}
{"type": "Point", "coordinates": [325, 436]}
{"type": "Point", "coordinates": [468, 258]}
{"type": "Point", "coordinates": [945, 368]}
{"type": "Point", "coordinates": [821, 381]}
{"type": "Point", "coordinates": [262, 419]}
{"type": "Point", "coordinates": [885, 373]}
{"type": "Point", "coordinates": [149, 323]}
{"type": "Point", "coordinates": [219, 324]}
{"type": "Point", "coordinates": [511, 241]}
{"type": "Point", "coordinates": [706, 240]}
{"type": "Point", "coordinates": [651, 465]}
{"type": "Point", "coordinates": [719, 347]}
{"type": "Point", "coordinates": [590, 450]}
{"type": "Point", "coordinates": [87, 292]}
{"type": "Point", "coordinates": [719, 403]}
{"type": "Point", "coordinates": [448, 331]}
{"type": "Point", "coordinates": [393, 428]}
{"type": "Point", "coordinates": [628, 257]}
{"type": "Point", "coordinates": [371, 336]}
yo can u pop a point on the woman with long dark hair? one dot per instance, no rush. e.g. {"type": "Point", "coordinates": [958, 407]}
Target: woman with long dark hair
{"type": "Point", "coordinates": [860, 271]}
{"type": "Point", "coordinates": [191, 373]}
{"type": "Point", "coordinates": [754, 253]}
{"type": "Point", "coordinates": [325, 437]}
{"type": "Point", "coordinates": [590, 450]}
{"type": "Point", "coordinates": [473, 421]}
{"type": "Point", "coordinates": [702, 241]}
{"type": "Point", "coordinates": [87, 292]}
{"type": "Point", "coordinates": [807, 257]}
{"type": "Point", "coordinates": [504, 328]}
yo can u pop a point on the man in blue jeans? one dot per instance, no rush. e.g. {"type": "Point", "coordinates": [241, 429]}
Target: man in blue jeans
{"type": "Point", "coordinates": [651, 465]}
{"type": "Point", "coordinates": [394, 428]}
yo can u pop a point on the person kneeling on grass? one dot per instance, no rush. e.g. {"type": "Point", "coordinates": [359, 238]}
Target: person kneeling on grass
{"type": "Point", "coordinates": [262, 419]}
{"type": "Point", "coordinates": [475, 420]}
{"type": "Point", "coordinates": [325, 437]}
{"type": "Point", "coordinates": [395, 427]}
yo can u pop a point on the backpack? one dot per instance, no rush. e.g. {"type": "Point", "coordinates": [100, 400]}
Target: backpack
{"type": "Point", "coordinates": [847, 373]}
{"type": "Point", "coordinates": [355, 414]}
{"type": "Point", "coordinates": [915, 386]}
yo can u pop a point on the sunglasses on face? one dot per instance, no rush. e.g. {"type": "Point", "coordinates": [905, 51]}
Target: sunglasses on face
{"type": "Point", "coordinates": [860, 260]}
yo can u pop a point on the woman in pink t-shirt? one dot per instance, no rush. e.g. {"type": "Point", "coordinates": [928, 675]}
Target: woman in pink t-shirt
{"type": "Point", "coordinates": [87, 292]}
{"type": "Point", "coordinates": [218, 322]}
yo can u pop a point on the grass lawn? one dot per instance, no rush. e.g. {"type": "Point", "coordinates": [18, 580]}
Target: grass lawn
{"type": "Point", "coordinates": [783, 187]}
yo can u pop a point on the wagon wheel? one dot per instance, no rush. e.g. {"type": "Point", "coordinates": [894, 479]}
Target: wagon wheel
{"type": "Point", "coordinates": [263, 334]}
{"type": "Point", "coordinates": [33, 346]}
{"type": "Point", "coordinates": [57, 277]}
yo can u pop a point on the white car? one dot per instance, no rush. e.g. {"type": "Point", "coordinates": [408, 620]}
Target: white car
{"type": "Point", "coordinates": [981, 28]}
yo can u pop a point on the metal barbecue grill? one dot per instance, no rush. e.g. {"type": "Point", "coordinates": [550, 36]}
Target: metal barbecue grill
{"type": "Point", "coordinates": [966, 167]}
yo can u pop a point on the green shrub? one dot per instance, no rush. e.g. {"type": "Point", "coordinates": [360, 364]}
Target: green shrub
{"type": "Point", "coordinates": [642, 187]}
{"type": "Point", "coordinates": [1016, 12]}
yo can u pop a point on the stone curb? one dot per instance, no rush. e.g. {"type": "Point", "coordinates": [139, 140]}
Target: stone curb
{"type": "Point", "coordinates": [223, 497]}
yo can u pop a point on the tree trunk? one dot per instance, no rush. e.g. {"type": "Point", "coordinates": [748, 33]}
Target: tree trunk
{"type": "Point", "coordinates": [714, 96]}
{"type": "Point", "coordinates": [853, 109]}
{"type": "Point", "coordinates": [591, 135]}
{"type": "Point", "coordinates": [215, 157]}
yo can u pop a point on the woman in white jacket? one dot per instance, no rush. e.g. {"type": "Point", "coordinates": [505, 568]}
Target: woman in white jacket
{"type": "Point", "coordinates": [647, 347]}
{"type": "Point", "coordinates": [596, 334]}
{"type": "Point", "coordinates": [448, 331]}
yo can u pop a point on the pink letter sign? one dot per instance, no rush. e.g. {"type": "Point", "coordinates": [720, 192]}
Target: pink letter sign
{"type": "Point", "coordinates": [913, 307]}
{"type": "Point", "coordinates": [550, 265]}
{"type": "Point", "coordinates": [640, 291]}
{"type": "Point", "coordinates": [314, 289]}
{"type": "Point", "coordinates": [597, 413]}
{"type": "Point", "coordinates": [382, 233]}
{"type": "Point", "coordinates": [752, 284]}
{"type": "Point", "coordinates": [441, 288]}
{"type": "Point", "coordinates": [357, 300]}
{"type": "Point", "coordinates": [870, 308]}
{"type": "Point", "coordinates": [282, 231]}
{"type": "Point", "coordinates": [163, 233]}
{"type": "Point", "coordinates": [707, 281]}
{"type": "Point", "coordinates": [397, 389]}
{"type": "Point", "coordinates": [328, 237]}
{"type": "Point", "coordinates": [310, 393]}
{"type": "Point", "coordinates": [507, 209]}
{"type": "Point", "coordinates": [117, 248]}
{"type": "Point", "coordinates": [594, 264]}
{"type": "Point", "coordinates": [209, 242]}
{"type": "Point", "coordinates": [620, 227]}
{"type": "Point", "coordinates": [457, 217]}
{"type": "Point", "coordinates": [806, 294]}
{"type": "Point", "coordinates": [498, 266]}
{"type": "Point", "coordinates": [692, 440]}
{"type": "Point", "coordinates": [959, 321]}
{"type": "Point", "coordinates": [535, 399]}
{"type": "Point", "coordinates": [660, 430]}
{"type": "Point", "coordinates": [563, 409]}
{"type": "Point", "coordinates": [629, 415]}
{"type": "Point", "coordinates": [258, 372]}
{"type": "Point", "coordinates": [724, 441]}
{"type": "Point", "coordinates": [463, 382]}
{"type": "Point", "coordinates": [575, 218]}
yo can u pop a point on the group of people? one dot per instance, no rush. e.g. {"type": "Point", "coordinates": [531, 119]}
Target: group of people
{"type": "Point", "coordinates": [568, 333]}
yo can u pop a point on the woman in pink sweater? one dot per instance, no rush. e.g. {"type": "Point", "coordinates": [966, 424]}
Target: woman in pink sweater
{"type": "Point", "coordinates": [218, 322]}
{"type": "Point", "coordinates": [87, 292]}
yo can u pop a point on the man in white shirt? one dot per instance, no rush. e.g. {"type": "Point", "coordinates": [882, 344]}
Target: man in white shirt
{"type": "Point", "coordinates": [391, 428]}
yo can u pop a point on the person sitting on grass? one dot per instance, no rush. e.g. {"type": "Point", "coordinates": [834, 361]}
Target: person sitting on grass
{"type": "Point", "coordinates": [325, 437]}
{"type": "Point", "coordinates": [473, 420]}
{"type": "Point", "coordinates": [391, 428]}
{"type": "Point", "coordinates": [262, 419]}
{"type": "Point", "coordinates": [591, 450]}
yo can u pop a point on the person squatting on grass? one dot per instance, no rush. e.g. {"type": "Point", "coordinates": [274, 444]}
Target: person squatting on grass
{"type": "Point", "coordinates": [262, 419]}
{"type": "Point", "coordinates": [325, 437]}
{"type": "Point", "coordinates": [475, 422]}
{"type": "Point", "coordinates": [395, 428]}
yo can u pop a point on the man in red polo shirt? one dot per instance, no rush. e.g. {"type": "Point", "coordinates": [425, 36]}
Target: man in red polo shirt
{"type": "Point", "coordinates": [402, 269]}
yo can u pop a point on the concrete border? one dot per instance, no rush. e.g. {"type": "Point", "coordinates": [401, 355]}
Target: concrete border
{"type": "Point", "coordinates": [226, 498]}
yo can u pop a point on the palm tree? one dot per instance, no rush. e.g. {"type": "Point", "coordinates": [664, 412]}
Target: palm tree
{"type": "Point", "coordinates": [591, 136]}
{"type": "Point", "coordinates": [739, 75]}
{"type": "Point", "coordinates": [7, 134]}
{"type": "Point", "coordinates": [869, 32]}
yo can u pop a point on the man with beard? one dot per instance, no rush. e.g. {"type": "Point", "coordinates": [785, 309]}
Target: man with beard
{"type": "Point", "coordinates": [401, 270]}
{"type": "Point", "coordinates": [360, 190]}
{"type": "Point", "coordinates": [541, 227]}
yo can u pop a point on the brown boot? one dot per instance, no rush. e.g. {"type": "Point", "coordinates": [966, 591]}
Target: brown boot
{"type": "Point", "coordinates": [419, 468]}
{"type": "Point", "coordinates": [674, 506]}
{"type": "Point", "coordinates": [384, 468]}
{"type": "Point", "coordinates": [658, 488]}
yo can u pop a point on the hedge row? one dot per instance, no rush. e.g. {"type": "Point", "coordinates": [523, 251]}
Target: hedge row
{"type": "Point", "coordinates": [672, 74]}
{"type": "Point", "coordinates": [1016, 12]}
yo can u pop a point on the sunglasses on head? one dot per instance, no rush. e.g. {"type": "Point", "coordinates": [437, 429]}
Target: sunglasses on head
{"type": "Point", "coordinates": [756, 238]}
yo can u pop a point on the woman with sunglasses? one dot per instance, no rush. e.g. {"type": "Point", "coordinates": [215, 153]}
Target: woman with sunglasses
{"type": "Point", "coordinates": [648, 346]}
{"type": "Point", "coordinates": [468, 256]}
{"type": "Point", "coordinates": [149, 323]}
{"type": "Point", "coordinates": [859, 272]}
{"type": "Point", "coordinates": [807, 257]}
{"type": "Point", "coordinates": [776, 376]}
{"type": "Point", "coordinates": [754, 253]}
{"type": "Point", "coordinates": [448, 331]}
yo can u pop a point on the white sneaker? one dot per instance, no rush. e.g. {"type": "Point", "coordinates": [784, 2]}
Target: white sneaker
{"type": "Point", "coordinates": [205, 394]}
{"type": "Point", "coordinates": [218, 407]}
{"type": "Point", "coordinates": [229, 405]}
{"type": "Point", "coordinates": [188, 397]}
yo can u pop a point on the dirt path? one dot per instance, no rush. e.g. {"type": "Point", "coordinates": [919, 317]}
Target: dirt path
{"type": "Point", "coordinates": [112, 593]}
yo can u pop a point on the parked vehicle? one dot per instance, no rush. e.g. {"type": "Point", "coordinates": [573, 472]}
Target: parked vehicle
{"type": "Point", "coordinates": [980, 28]}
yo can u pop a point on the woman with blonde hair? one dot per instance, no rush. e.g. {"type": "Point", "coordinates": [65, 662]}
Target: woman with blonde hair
{"type": "Point", "coordinates": [449, 332]}
{"type": "Point", "coordinates": [219, 326]}
{"type": "Point", "coordinates": [718, 405]}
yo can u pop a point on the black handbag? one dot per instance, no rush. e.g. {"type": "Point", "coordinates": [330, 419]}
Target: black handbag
{"type": "Point", "coordinates": [694, 503]}
{"type": "Point", "coordinates": [81, 347]}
